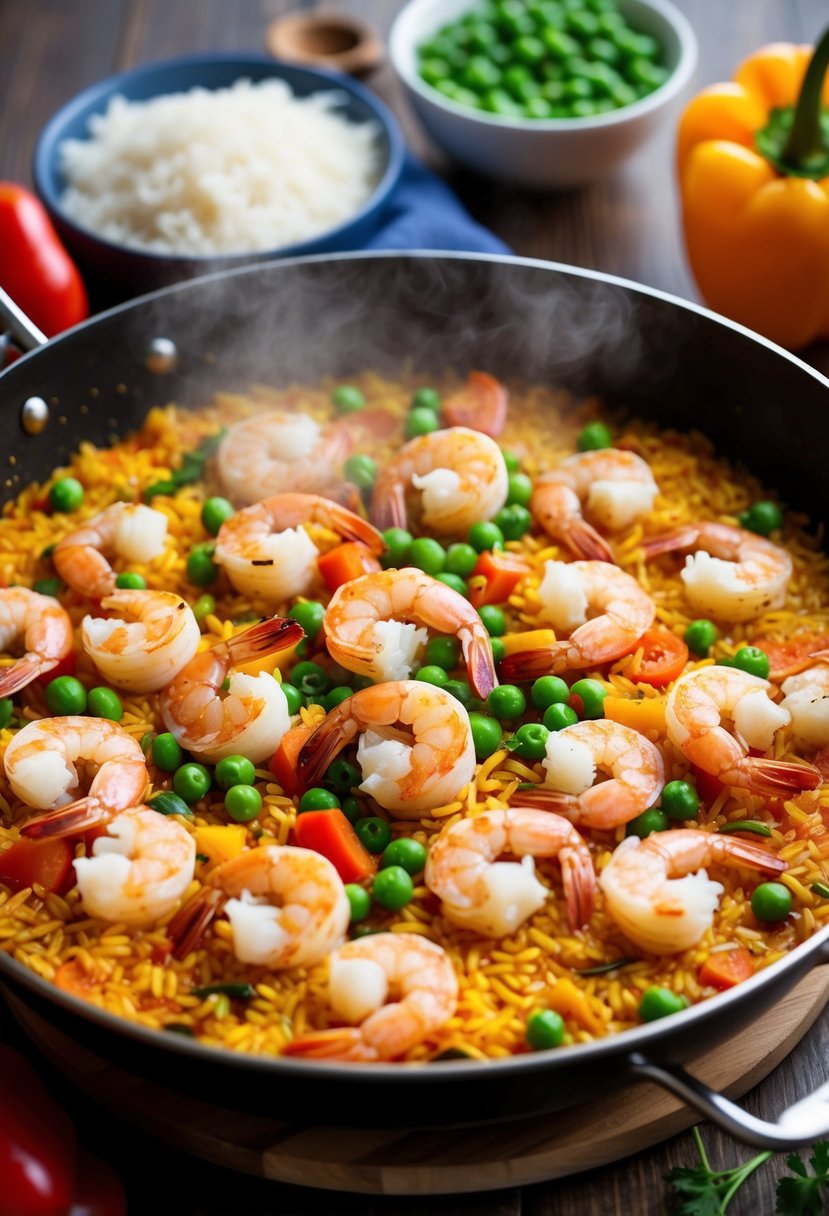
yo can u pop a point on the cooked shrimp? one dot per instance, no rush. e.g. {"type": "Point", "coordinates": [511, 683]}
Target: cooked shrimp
{"type": "Point", "coordinates": [41, 766]}
{"type": "Point", "coordinates": [806, 699]}
{"type": "Point", "coordinates": [280, 451]}
{"type": "Point", "coordinates": [129, 530]}
{"type": "Point", "coordinates": [694, 713]}
{"type": "Point", "coordinates": [152, 637]}
{"type": "Point", "coordinates": [634, 765]}
{"type": "Point", "coordinates": [139, 870]}
{"type": "Point", "coordinates": [251, 716]}
{"type": "Point", "coordinates": [495, 897]}
{"type": "Point", "coordinates": [370, 626]}
{"type": "Point", "coordinates": [613, 486]}
{"type": "Point", "coordinates": [287, 907]}
{"type": "Point", "coordinates": [461, 475]}
{"type": "Point", "coordinates": [732, 574]}
{"type": "Point", "coordinates": [362, 975]}
{"type": "Point", "coordinates": [654, 896]}
{"type": "Point", "coordinates": [603, 609]}
{"type": "Point", "coordinates": [267, 552]}
{"type": "Point", "coordinates": [416, 752]}
{"type": "Point", "coordinates": [47, 634]}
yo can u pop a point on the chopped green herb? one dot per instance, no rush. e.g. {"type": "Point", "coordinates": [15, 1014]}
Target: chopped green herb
{"type": "Point", "coordinates": [180, 1028]}
{"type": "Point", "coordinates": [202, 857]}
{"type": "Point", "coordinates": [603, 968]}
{"type": "Point", "coordinates": [747, 825]}
{"type": "Point", "coordinates": [237, 992]}
{"type": "Point", "coordinates": [168, 803]}
{"type": "Point", "coordinates": [821, 889]}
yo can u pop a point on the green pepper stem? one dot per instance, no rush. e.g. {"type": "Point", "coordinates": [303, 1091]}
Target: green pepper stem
{"type": "Point", "coordinates": [805, 138]}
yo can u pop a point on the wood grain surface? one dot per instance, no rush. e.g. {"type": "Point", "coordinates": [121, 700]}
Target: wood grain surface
{"type": "Point", "coordinates": [50, 49]}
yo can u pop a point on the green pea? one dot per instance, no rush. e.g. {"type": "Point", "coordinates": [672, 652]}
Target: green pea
{"type": "Point", "coordinates": [347, 398]}
{"type": "Point", "coordinates": [520, 489]}
{"type": "Point", "coordinates": [65, 695]}
{"type": "Point", "coordinates": [130, 581]}
{"type": "Point", "coordinates": [486, 735]}
{"type": "Point", "coordinates": [392, 887]}
{"type": "Point", "coordinates": [545, 1029]}
{"type": "Point", "coordinates": [753, 660]}
{"type": "Point", "coordinates": [506, 702]}
{"type": "Point", "coordinates": [353, 810]}
{"type": "Point", "coordinates": [680, 800]}
{"type": "Point", "coordinates": [512, 461]}
{"type": "Point", "coordinates": [167, 753]}
{"type": "Point", "coordinates": [486, 535]}
{"type": "Point", "coordinates": [374, 833]}
{"type": "Point", "coordinates": [593, 437]}
{"type": "Point", "coordinates": [398, 542]}
{"type": "Point", "coordinates": [432, 674]}
{"type": "Point", "coordinates": [311, 679]}
{"type": "Point", "coordinates": [318, 799]}
{"type": "Point", "coordinates": [530, 741]}
{"type": "Point", "coordinates": [513, 521]}
{"type": "Point", "coordinates": [204, 606]}
{"type": "Point", "coordinates": [445, 652]}
{"type": "Point", "coordinates": [650, 821]}
{"type": "Point", "coordinates": [427, 555]}
{"type": "Point", "coordinates": [293, 698]}
{"type": "Point", "coordinates": [591, 694]}
{"type": "Point", "coordinates": [454, 581]}
{"type": "Point", "coordinates": [243, 803]}
{"type": "Point", "coordinates": [48, 586]}
{"type": "Point", "coordinates": [771, 902]}
{"type": "Point", "coordinates": [201, 569]}
{"type": "Point", "coordinates": [361, 470]}
{"type": "Point", "coordinates": [460, 690]}
{"type": "Point", "coordinates": [660, 1003]}
{"type": "Point", "coordinates": [494, 619]}
{"type": "Point", "coordinates": [499, 650]}
{"type": "Point", "coordinates": [6, 712]}
{"type": "Point", "coordinates": [558, 716]}
{"type": "Point", "coordinates": [529, 50]}
{"type": "Point", "coordinates": [762, 518]}
{"type": "Point", "coordinates": [549, 690]}
{"type": "Point", "coordinates": [461, 559]}
{"type": "Point", "coordinates": [235, 770]}
{"type": "Point", "coordinates": [342, 777]}
{"type": "Point", "coordinates": [191, 782]}
{"type": "Point", "coordinates": [104, 703]}
{"type": "Point", "coordinates": [559, 44]}
{"type": "Point", "coordinates": [359, 901]}
{"type": "Point", "coordinates": [480, 74]}
{"type": "Point", "coordinates": [700, 636]}
{"type": "Point", "coordinates": [214, 513]}
{"type": "Point", "coordinates": [410, 854]}
{"type": "Point", "coordinates": [421, 422]}
{"type": "Point", "coordinates": [66, 494]}
{"type": "Point", "coordinates": [426, 398]}
{"type": "Point", "coordinates": [336, 697]}
{"type": "Point", "coordinates": [309, 615]}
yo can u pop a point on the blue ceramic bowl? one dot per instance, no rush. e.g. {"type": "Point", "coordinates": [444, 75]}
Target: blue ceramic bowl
{"type": "Point", "coordinates": [115, 271]}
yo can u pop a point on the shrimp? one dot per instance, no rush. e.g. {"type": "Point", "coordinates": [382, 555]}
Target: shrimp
{"type": "Point", "coordinates": [287, 907]}
{"type": "Point", "coordinates": [251, 716]}
{"type": "Point", "coordinates": [361, 974]}
{"type": "Point", "coordinates": [604, 610]}
{"type": "Point", "coordinates": [634, 764]}
{"type": "Point", "coordinates": [806, 699]}
{"type": "Point", "coordinates": [694, 711]}
{"type": "Point", "coordinates": [154, 636]}
{"type": "Point", "coordinates": [47, 635]}
{"type": "Point", "coordinates": [417, 752]}
{"type": "Point", "coordinates": [278, 451]}
{"type": "Point", "coordinates": [139, 870]}
{"type": "Point", "coordinates": [732, 574]}
{"type": "Point", "coordinates": [656, 899]}
{"type": "Point", "coordinates": [267, 552]}
{"type": "Point", "coordinates": [460, 472]}
{"type": "Point", "coordinates": [41, 767]}
{"type": "Point", "coordinates": [614, 487]}
{"type": "Point", "coordinates": [370, 626]}
{"type": "Point", "coordinates": [130, 530]}
{"type": "Point", "coordinates": [493, 897]}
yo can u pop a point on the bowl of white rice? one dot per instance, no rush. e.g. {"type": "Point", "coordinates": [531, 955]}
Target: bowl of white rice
{"type": "Point", "coordinates": [191, 165]}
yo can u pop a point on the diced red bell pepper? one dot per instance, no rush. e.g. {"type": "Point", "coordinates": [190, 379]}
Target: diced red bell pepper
{"type": "Point", "coordinates": [346, 562]}
{"type": "Point", "coordinates": [67, 666]}
{"type": "Point", "coordinates": [481, 405]}
{"type": "Point", "coordinates": [664, 656]}
{"type": "Point", "coordinates": [37, 1144]}
{"type": "Point", "coordinates": [329, 833]}
{"type": "Point", "coordinates": [283, 762]}
{"type": "Point", "coordinates": [726, 968]}
{"type": "Point", "coordinates": [99, 1191]}
{"type": "Point", "coordinates": [708, 786]}
{"type": "Point", "coordinates": [48, 862]}
{"type": "Point", "coordinates": [495, 577]}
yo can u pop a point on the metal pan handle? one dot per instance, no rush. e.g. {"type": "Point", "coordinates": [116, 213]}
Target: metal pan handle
{"type": "Point", "coordinates": [15, 323]}
{"type": "Point", "coordinates": [801, 1125]}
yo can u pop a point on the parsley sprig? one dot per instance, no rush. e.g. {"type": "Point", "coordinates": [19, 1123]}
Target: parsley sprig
{"type": "Point", "coordinates": [703, 1191]}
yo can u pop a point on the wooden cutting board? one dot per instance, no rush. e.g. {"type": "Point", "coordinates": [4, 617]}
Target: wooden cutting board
{"type": "Point", "coordinates": [386, 1161]}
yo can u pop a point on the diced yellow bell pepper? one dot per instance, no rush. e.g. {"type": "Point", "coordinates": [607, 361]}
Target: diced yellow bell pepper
{"type": "Point", "coordinates": [220, 842]}
{"type": "Point", "coordinates": [535, 639]}
{"type": "Point", "coordinates": [639, 713]}
{"type": "Point", "coordinates": [568, 1000]}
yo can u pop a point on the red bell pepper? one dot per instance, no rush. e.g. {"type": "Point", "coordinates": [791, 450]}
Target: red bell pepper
{"type": "Point", "coordinates": [726, 968]}
{"type": "Point", "coordinates": [37, 1144]}
{"type": "Point", "coordinates": [47, 861]}
{"type": "Point", "coordinates": [67, 666]}
{"type": "Point", "coordinates": [346, 562]}
{"type": "Point", "coordinates": [330, 833]}
{"type": "Point", "coordinates": [481, 405]}
{"type": "Point", "coordinates": [35, 269]}
{"type": "Point", "coordinates": [495, 577]}
{"type": "Point", "coordinates": [283, 762]}
{"type": "Point", "coordinates": [664, 656]}
{"type": "Point", "coordinates": [99, 1191]}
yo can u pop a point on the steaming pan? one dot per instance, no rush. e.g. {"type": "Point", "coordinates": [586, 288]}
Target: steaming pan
{"type": "Point", "coordinates": [655, 355]}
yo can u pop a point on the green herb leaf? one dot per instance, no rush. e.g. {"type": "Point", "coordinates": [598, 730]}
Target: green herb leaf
{"type": "Point", "coordinates": [747, 825]}
{"type": "Point", "coordinates": [602, 968]}
{"type": "Point", "coordinates": [706, 1192]}
{"type": "Point", "coordinates": [821, 889]}
{"type": "Point", "coordinates": [805, 1193]}
{"type": "Point", "coordinates": [238, 992]}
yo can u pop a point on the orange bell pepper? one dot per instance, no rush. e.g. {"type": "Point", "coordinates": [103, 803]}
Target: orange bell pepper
{"type": "Point", "coordinates": [495, 577]}
{"type": "Point", "coordinates": [753, 161]}
{"type": "Point", "coordinates": [283, 762]}
{"type": "Point", "coordinates": [328, 832]}
{"type": "Point", "coordinates": [345, 562]}
{"type": "Point", "coordinates": [727, 968]}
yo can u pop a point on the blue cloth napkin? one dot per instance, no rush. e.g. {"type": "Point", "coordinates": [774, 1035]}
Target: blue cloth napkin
{"type": "Point", "coordinates": [423, 213]}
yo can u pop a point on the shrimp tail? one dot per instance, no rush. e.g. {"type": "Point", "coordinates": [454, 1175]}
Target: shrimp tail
{"type": "Point", "coordinates": [389, 509]}
{"type": "Point", "coordinates": [21, 673]}
{"type": "Point", "coordinates": [481, 664]}
{"type": "Point", "coordinates": [189, 924]}
{"type": "Point", "coordinates": [579, 887]}
{"type": "Point", "coordinates": [275, 633]}
{"type": "Point", "coordinates": [528, 664]}
{"type": "Point", "coordinates": [542, 798]}
{"type": "Point", "coordinates": [585, 542]}
{"type": "Point", "coordinates": [670, 542]}
{"type": "Point", "coordinates": [779, 778]}
{"type": "Point", "coordinates": [330, 737]}
{"type": "Point", "coordinates": [344, 1043]}
{"type": "Point", "coordinates": [743, 851]}
{"type": "Point", "coordinates": [352, 526]}
{"type": "Point", "coordinates": [70, 820]}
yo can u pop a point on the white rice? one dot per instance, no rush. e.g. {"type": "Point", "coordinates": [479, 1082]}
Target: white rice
{"type": "Point", "coordinates": [226, 171]}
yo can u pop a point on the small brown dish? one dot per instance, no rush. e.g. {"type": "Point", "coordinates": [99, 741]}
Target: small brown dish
{"type": "Point", "coordinates": [326, 40]}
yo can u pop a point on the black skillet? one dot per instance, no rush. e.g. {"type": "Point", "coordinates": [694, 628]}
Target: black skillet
{"type": "Point", "coordinates": [651, 354]}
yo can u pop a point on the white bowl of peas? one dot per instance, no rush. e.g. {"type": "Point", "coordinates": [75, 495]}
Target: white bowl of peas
{"type": "Point", "coordinates": [547, 94]}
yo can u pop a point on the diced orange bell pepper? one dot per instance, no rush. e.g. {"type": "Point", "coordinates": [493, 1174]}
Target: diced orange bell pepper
{"type": "Point", "coordinates": [48, 862]}
{"type": "Point", "coordinates": [328, 832]}
{"type": "Point", "coordinates": [220, 842]}
{"type": "Point", "coordinates": [726, 968]}
{"type": "Point", "coordinates": [283, 762]}
{"type": "Point", "coordinates": [495, 577]}
{"type": "Point", "coordinates": [533, 639]}
{"type": "Point", "coordinates": [639, 713]}
{"type": "Point", "coordinates": [346, 562]}
{"type": "Point", "coordinates": [568, 1000]}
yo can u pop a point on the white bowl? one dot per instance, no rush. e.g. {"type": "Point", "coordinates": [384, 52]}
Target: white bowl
{"type": "Point", "coordinates": [548, 153]}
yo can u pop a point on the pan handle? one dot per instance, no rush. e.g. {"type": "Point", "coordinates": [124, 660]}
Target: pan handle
{"type": "Point", "coordinates": [801, 1125]}
{"type": "Point", "coordinates": [14, 322]}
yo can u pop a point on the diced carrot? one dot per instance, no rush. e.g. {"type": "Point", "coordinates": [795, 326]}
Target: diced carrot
{"type": "Point", "coordinates": [568, 1000]}
{"type": "Point", "coordinates": [48, 862]}
{"type": "Point", "coordinates": [495, 577]}
{"type": "Point", "coordinates": [533, 639]}
{"type": "Point", "coordinates": [639, 713]}
{"type": "Point", "coordinates": [481, 405]}
{"type": "Point", "coordinates": [346, 562]}
{"type": "Point", "coordinates": [219, 842]}
{"type": "Point", "coordinates": [283, 762]}
{"type": "Point", "coordinates": [726, 968]}
{"type": "Point", "coordinates": [72, 977]}
{"type": "Point", "coordinates": [329, 833]}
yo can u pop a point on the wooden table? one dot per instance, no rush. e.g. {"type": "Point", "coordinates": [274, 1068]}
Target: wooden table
{"type": "Point", "coordinates": [629, 226]}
